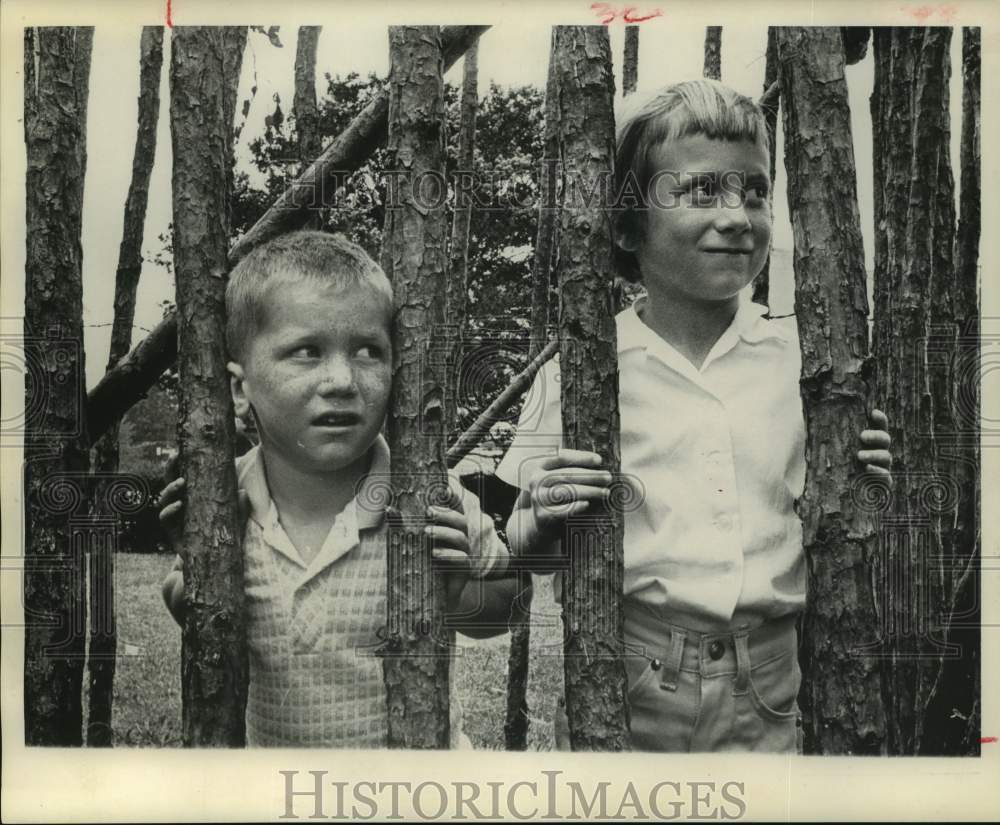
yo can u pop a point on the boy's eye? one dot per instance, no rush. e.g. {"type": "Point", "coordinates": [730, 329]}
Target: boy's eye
{"type": "Point", "coordinates": [372, 351]}
{"type": "Point", "coordinates": [756, 195]}
{"type": "Point", "coordinates": [305, 351]}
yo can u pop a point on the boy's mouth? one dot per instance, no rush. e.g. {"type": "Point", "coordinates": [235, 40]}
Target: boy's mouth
{"type": "Point", "coordinates": [719, 250]}
{"type": "Point", "coordinates": [336, 419]}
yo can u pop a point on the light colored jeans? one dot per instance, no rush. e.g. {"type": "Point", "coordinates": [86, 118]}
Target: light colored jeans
{"type": "Point", "coordinates": [691, 691]}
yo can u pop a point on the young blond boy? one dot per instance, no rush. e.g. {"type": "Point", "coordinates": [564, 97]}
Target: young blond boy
{"type": "Point", "coordinates": [308, 332]}
{"type": "Point", "coordinates": [712, 437]}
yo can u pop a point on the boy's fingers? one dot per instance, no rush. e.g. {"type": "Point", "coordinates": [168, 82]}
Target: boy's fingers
{"type": "Point", "coordinates": [875, 438]}
{"type": "Point", "coordinates": [560, 495]}
{"type": "Point", "coordinates": [171, 512]}
{"type": "Point", "coordinates": [571, 458]}
{"type": "Point", "coordinates": [453, 500]}
{"type": "Point", "coordinates": [594, 478]}
{"type": "Point", "coordinates": [454, 560]}
{"type": "Point", "coordinates": [882, 458]}
{"type": "Point", "coordinates": [171, 492]}
{"type": "Point", "coordinates": [446, 517]}
{"type": "Point", "coordinates": [879, 419]}
{"type": "Point", "coordinates": [173, 466]}
{"type": "Point", "coordinates": [448, 537]}
{"type": "Point", "coordinates": [881, 471]}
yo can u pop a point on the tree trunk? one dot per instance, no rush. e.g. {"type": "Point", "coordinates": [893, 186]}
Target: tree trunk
{"type": "Point", "coordinates": [234, 42]}
{"type": "Point", "coordinates": [915, 341]}
{"type": "Point", "coordinates": [964, 686]}
{"type": "Point", "coordinates": [304, 105]}
{"type": "Point", "coordinates": [56, 77]}
{"type": "Point", "coordinates": [761, 284]}
{"type": "Point", "coordinates": [841, 695]}
{"type": "Point", "coordinates": [305, 108]}
{"type": "Point", "coordinates": [456, 286]}
{"type": "Point", "coordinates": [855, 40]}
{"type": "Point", "coordinates": [596, 701]}
{"type": "Point", "coordinates": [516, 724]}
{"type": "Point", "coordinates": [630, 68]}
{"type": "Point", "coordinates": [951, 725]}
{"type": "Point", "coordinates": [103, 648]}
{"type": "Point", "coordinates": [462, 218]}
{"type": "Point", "coordinates": [713, 52]}
{"type": "Point", "coordinates": [416, 662]}
{"type": "Point", "coordinates": [214, 658]}
{"type": "Point", "coordinates": [131, 379]}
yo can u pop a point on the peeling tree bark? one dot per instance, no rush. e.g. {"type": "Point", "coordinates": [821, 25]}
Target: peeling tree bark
{"type": "Point", "coordinates": [417, 656]}
{"type": "Point", "coordinates": [761, 284]}
{"type": "Point", "coordinates": [56, 77]}
{"type": "Point", "coordinates": [596, 702]}
{"type": "Point", "coordinates": [713, 52]}
{"type": "Point", "coordinates": [121, 387]}
{"type": "Point", "coordinates": [214, 658]}
{"type": "Point", "coordinates": [630, 66]}
{"type": "Point", "coordinates": [914, 339]}
{"type": "Point", "coordinates": [102, 652]}
{"type": "Point", "coordinates": [841, 694]}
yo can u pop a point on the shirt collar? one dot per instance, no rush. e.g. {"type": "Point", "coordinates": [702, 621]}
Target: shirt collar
{"type": "Point", "coordinates": [748, 324]}
{"type": "Point", "coordinates": [369, 499]}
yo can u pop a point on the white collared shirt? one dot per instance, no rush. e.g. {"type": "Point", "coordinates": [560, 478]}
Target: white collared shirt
{"type": "Point", "coordinates": [315, 680]}
{"type": "Point", "coordinates": [716, 457]}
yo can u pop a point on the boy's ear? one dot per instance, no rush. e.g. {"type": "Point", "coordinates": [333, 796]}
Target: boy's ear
{"type": "Point", "coordinates": [626, 236]}
{"type": "Point", "coordinates": [241, 403]}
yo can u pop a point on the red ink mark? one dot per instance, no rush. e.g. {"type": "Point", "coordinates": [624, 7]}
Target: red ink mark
{"type": "Point", "coordinates": [170, 19]}
{"type": "Point", "coordinates": [923, 13]}
{"type": "Point", "coordinates": [987, 740]}
{"type": "Point", "coordinates": [630, 19]}
{"type": "Point", "coordinates": [628, 14]}
{"type": "Point", "coordinates": [604, 9]}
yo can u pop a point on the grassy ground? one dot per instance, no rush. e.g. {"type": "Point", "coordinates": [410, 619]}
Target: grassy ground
{"type": "Point", "coordinates": [147, 704]}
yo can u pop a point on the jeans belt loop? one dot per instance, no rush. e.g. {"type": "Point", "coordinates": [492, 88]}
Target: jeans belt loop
{"type": "Point", "coordinates": [742, 683]}
{"type": "Point", "coordinates": [672, 668]}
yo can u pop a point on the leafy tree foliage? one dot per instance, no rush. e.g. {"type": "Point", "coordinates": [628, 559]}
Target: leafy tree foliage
{"type": "Point", "coordinates": [504, 189]}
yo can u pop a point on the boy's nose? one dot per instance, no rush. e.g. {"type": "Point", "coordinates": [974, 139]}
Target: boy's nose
{"type": "Point", "coordinates": [731, 213]}
{"type": "Point", "coordinates": [337, 377]}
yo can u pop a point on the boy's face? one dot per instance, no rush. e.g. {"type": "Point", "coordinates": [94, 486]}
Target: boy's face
{"type": "Point", "coordinates": [708, 226]}
{"type": "Point", "coordinates": [318, 373]}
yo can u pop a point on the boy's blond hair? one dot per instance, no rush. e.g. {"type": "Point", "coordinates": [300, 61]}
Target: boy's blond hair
{"type": "Point", "coordinates": [693, 107]}
{"type": "Point", "coordinates": [305, 255]}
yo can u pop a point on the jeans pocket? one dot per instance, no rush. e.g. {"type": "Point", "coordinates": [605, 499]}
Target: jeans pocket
{"type": "Point", "coordinates": [640, 679]}
{"type": "Point", "coordinates": [774, 688]}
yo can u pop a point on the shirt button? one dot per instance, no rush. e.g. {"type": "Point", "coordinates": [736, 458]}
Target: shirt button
{"type": "Point", "coordinates": [716, 650]}
{"type": "Point", "coordinates": [724, 523]}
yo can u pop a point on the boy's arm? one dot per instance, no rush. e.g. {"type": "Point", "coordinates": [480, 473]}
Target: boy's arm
{"type": "Point", "coordinates": [488, 607]}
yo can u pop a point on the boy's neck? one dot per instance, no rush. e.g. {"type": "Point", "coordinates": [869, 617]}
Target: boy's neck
{"type": "Point", "coordinates": [305, 497]}
{"type": "Point", "coordinates": [689, 326]}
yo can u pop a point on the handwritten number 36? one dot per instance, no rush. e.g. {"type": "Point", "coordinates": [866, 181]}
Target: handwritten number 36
{"type": "Point", "coordinates": [628, 14]}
